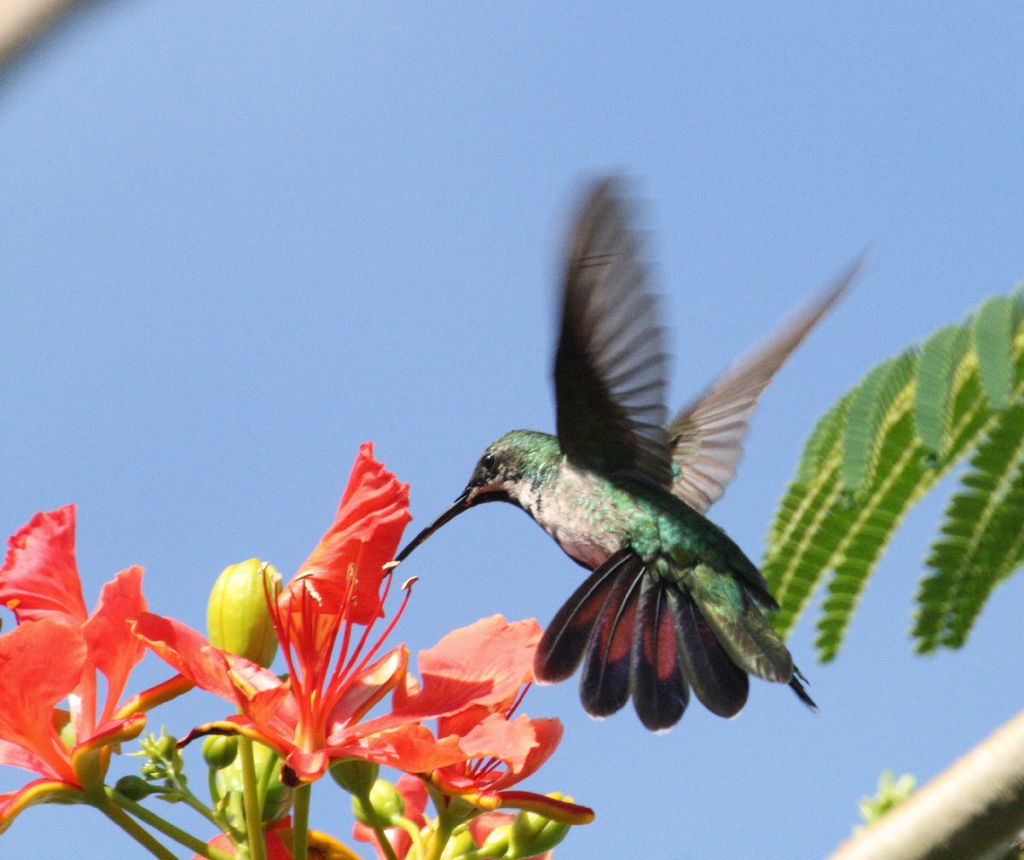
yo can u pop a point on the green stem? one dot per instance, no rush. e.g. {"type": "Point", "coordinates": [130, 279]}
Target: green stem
{"type": "Point", "coordinates": [250, 791]}
{"type": "Point", "coordinates": [382, 838]}
{"type": "Point", "coordinates": [414, 834]}
{"type": "Point", "coordinates": [438, 839]}
{"type": "Point", "coordinates": [130, 826]}
{"type": "Point", "coordinates": [120, 804]}
{"type": "Point", "coordinates": [300, 820]}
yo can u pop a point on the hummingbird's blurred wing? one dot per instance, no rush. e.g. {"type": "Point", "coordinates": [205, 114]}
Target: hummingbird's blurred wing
{"type": "Point", "coordinates": [706, 437]}
{"type": "Point", "coordinates": [610, 364]}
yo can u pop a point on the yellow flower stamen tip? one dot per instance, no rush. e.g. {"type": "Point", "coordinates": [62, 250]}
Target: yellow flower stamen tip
{"type": "Point", "coordinates": [390, 565]}
{"type": "Point", "coordinates": [410, 582]}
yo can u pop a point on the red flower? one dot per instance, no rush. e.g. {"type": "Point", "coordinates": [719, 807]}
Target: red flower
{"type": "Point", "coordinates": [334, 600]}
{"type": "Point", "coordinates": [473, 681]}
{"type": "Point", "coordinates": [53, 655]}
{"type": "Point", "coordinates": [499, 750]}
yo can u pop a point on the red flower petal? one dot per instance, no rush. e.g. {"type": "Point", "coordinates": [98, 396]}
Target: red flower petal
{"type": "Point", "coordinates": [409, 747]}
{"type": "Point", "coordinates": [232, 678]}
{"type": "Point", "coordinates": [368, 687]}
{"type": "Point", "coordinates": [485, 664]}
{"type": "Point", "coordinates": [37, 791]}
{"type": "Point", "coordinates": [113, 648]}
{"type": "Point", "coordinates": [547, 734]}
{"type": "Point", "coordinates": [512, 741]}
{"type": "Point", "coordinates": [40, 664]}
{"type": "Point", "coordinates": [39, 578]}
{"type": "Point", "coordinates": [363, 537]}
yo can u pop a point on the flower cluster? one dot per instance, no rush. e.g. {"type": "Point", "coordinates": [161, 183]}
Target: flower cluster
{"type": "Point", "coordinates": [346, 703]}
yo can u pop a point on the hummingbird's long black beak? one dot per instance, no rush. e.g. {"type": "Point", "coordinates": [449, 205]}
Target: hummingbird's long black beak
{"type": "Point", "coordinates": [462, 503]}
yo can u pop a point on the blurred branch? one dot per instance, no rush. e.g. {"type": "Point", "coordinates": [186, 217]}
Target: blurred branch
{"type": "Point", "coordinates": [22, 22]}
{"type": "Point", "coordinates": [974, 810]}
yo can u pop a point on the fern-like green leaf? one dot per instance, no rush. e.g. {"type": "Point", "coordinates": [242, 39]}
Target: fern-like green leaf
{"type": "Point", "coordinates": [823, 438]}
{"type": "Point", "coordinates": [982, 538]}
{"type": "Point", "coordinates": [937, 364]}
{"type": "Point", "coordinates": [869, 406]}
{"type": "Point", "coordinates": [1017, 307]}
{"type": "Point", "coordinates": [993, 336]}
{"type": "Point", "coordinates": [870, 441]}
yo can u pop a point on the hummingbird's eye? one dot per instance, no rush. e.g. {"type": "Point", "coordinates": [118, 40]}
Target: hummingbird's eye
{"type": "Point", "coordinates": [487, 461]}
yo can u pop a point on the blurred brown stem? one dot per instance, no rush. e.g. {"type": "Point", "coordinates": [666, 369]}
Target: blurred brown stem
{"type": "Point", "coordinates": [974, 810]}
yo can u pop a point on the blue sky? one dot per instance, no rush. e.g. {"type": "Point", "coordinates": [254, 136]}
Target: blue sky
{"type": "Point", "coordinates": [239, 239]}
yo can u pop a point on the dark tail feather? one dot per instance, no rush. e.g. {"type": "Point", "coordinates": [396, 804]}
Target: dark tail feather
{"type": "Point", "coordinates": [798, 688]}
{"type": "Point", "coordinates": [561, 648]}
{"type": "Point", "coordinates": [718, 682]}
{"type": "Point", "coordinates": [604, 685]}
{"type": "Point", "coordinates": [660, 694]}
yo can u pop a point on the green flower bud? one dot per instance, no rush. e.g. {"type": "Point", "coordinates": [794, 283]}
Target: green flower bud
{"type": "Point", "coordinates": [277, 802]}
{"type": "Point", "coordinates": [237, 616]}
{"type": "Point", "coordinates": [166, 746]}
{"type": "Point", "coordinates": [533, 833]}
{"type": "Point", "coordinates": [497, 842]}
{"type": "Point", "coordinates": [220, 750]}
{"type": "Point", "coordinates": [134, 788]}
{"type": "Point", "coordinates": [355, 776]}
{"type": "Point", "coordinates": [386, 804]}
{"type": "Point", "coordinates": [462, 844]}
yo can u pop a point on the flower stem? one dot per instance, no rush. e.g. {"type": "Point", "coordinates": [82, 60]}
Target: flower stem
{"type": "Point", "coordinates": [414, 834]}
{"type": "Point", "coordinates": [251, 794]}
{"type": "Point", "coordinates": [382, 839]}
{"type": "Point", "coordinates": [130, 826]}
{"type": "Point", "coordinates": [438, 839]}
{"type": "Point", "coordinates": [300, 820]}
{"type": "Point", "coordinates": [121, 805]}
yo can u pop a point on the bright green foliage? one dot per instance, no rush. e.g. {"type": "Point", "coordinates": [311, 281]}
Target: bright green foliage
{"type": "Point", "coordinates": [890, 794]}
{"type": "Point", "coordinates": [881, 448]}
{"type": "Point", "coordinates": [870, 403]}
{"type": "Point", "coordinates": [983, 538]}
{"type": "Point", "coordinates": [992, 342]}
{"type": "Point", "coordinates": [937, 364]}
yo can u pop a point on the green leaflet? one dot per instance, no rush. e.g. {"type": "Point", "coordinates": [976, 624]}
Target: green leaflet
{"type": "Point", "coordinates": [869, 406]}
{"type": "Point", "coordinates": [937, 364]}
{"type": "Point", "coordinates": [872, 441]}
{"type": "Point", "coordinates": [983, 538]}
{"type": "Point", "coordinates": [823, 438]}
{"type": "Point", "coordinates": [992, 341]}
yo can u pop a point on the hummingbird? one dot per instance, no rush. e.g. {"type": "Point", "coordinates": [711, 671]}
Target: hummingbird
{"type": "Point", "coordinates": [671, 603]}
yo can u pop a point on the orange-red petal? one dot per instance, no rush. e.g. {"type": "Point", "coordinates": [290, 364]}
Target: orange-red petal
{"type": "Point", "coordinates": [364, 536]}
{"type": "Point", "coordinates": [485, 663]}
{"type": "Point", "coordinates": [113, 648]}
{"type": "Point", "coordinates": [40, 663]}
{"type": "Point", "coordinates": [39, 578]}
{"type": "Point", "coordinates": [409, 747]}
{"type": "Point", "coordinates": [37, 791]}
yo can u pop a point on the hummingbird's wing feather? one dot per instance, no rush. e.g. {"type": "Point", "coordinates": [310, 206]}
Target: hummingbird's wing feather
{"type": "Point", "coordinates": [706, 437]}
{"type": "Point", "coordinates": [610, 364]}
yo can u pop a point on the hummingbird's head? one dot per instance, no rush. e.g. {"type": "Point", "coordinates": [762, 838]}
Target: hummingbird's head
{"type": "Point", "coordinates": [495, 472]}
{"type": "Point", "coordinates": [516, 458]}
